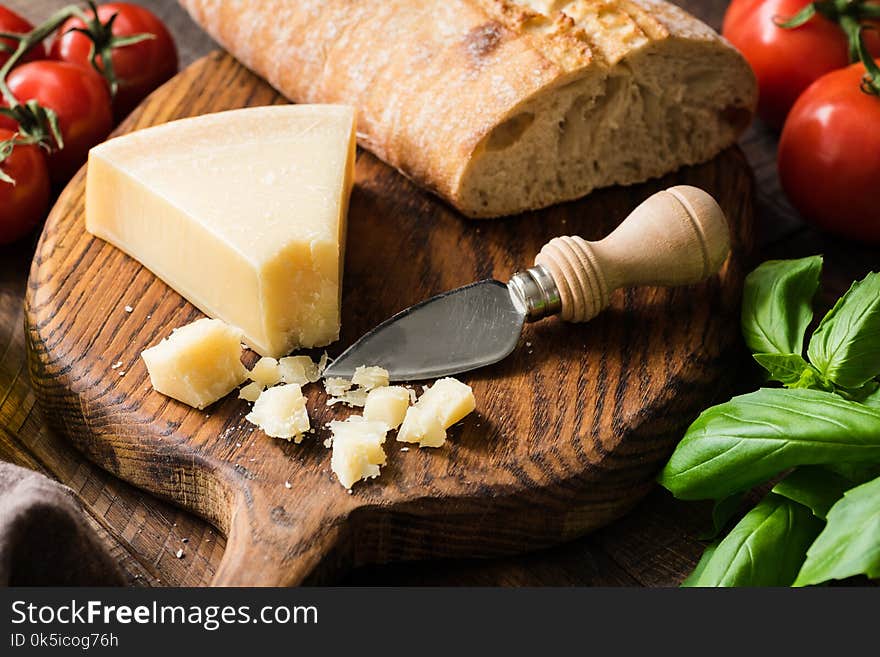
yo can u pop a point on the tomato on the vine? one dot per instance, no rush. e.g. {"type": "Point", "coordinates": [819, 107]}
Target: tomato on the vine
{"type": "Point", "coordinates": [78, 95]}
{"type": "Point", "coordinates": [15, 24]}
{"type": "Point", "coordinates": [139, 68]}
{"type": "Point", "coordinates": [787, 61]}
{"type": "Point", "coordinates": [829, 155]}
{"type": "Point", "coordinates": [23, 204]}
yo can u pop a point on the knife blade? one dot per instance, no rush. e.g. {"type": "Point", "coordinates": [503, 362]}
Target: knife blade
{"type": "Point", "coordinates": [481, 323]}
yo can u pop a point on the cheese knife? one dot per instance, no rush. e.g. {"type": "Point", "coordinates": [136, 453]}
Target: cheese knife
{"type": "Point", "coordinates": [676, 237]}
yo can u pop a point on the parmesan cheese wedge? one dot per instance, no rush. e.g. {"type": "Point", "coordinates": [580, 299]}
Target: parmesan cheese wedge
{"type": "Point", "coordinates": [241, 212]}
{"type": "Point", "coordinates": [198, 363]}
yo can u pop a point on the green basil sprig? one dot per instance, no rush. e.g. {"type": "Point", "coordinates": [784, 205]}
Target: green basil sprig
{"type": "Point", "coordinates": [846, 346]}
{"type": "Point", "coordinates": [766, 548]}
{"type": "Point", "coordinates": [850, 543]}
{"type": "Point", "coordinates": [824, 426]}
{"type": "Point", "coordinates": [777, 305]}
{"type": "Point", "coordinates": [752, 438]}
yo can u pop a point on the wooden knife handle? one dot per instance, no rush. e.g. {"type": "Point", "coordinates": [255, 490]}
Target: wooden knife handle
{"type": "Point", "coordinates": [678, 236]}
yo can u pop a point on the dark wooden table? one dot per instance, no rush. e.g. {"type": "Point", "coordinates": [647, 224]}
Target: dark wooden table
{"type": "Point", "coordinates": [656, 545]}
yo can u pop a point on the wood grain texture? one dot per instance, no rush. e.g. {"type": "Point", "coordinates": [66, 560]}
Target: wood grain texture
{"type": "Point", "coordinates": [570, 431]}
{"type": "Point", "coordinates": [655, 545]}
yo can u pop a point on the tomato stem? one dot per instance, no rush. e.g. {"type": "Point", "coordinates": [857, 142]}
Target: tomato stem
{"type": "Point", "coordinates": [849, 15]}
{"type": "Point", "coordinates": [104, 41]}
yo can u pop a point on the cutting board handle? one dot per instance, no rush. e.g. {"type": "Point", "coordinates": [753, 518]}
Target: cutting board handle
{"type": "Point", "coordinates": [678, 236]}
{"type": "Point", "coordinates": [269, 544]}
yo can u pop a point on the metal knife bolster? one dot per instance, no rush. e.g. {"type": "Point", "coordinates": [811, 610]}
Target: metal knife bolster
{"type": "Point", "coordinates": [534, 291]}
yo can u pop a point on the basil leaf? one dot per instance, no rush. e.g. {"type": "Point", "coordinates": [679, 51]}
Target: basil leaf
{"type": "Point", "coordinates": [694, 577]}
{"type": "Point", "coordinates": [752, 438]}
{"type": "Point", "coordinates": [845, 348]}
{"type": "Point", "coordinates": [785, 368]}
{"type": "Point", "coordinates": [815, 487]}
{"type": "Point", "coordinates": [872, 398]}
{"type": "Point", "coordinates": [766, 548]}
{"type": "Point", "coordinates": [777, 306]}
{"type": "Point", "coordinates": [850, 542]}
{"type": "Point", "coordinates": [858, 473]}
{"type": "Point", "coordinates": [722, 512]}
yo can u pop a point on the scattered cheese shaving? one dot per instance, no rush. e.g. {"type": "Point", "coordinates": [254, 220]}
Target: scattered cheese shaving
{"type": "Point", "coordinates": [422, 427]}
{"type": "Point", "coordinates": [387, 404]}
{"type": "Point", "coordinates": [198, 364]}
{"type": "Point", "coordinates": [439, 407]}
{"type": "Point", "coordinates": [251, 392]}
{"type": "Point", "coordinates": [322, 364]}
{"type": "Point", "coordinates": [298, 369]}
{"type": "Point", "coordinates": [449, 399]}
{"type": "Point", "coordinates": [370, 377]}
{"type": "Point", "coordinates": [352, 398]}
{"type": "Point", "coordinates": [357, 449]}
{"type": "Point", "coordinates": [281, 413]}
{"type": "Point", "coordinates": [336, 387]}
{"type": "Point", "coordinates": [266, 372]}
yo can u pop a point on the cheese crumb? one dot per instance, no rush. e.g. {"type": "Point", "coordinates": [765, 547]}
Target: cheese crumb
{"type": "Point", "coordinates": [387, 404]}
{"type": "Point", "coordinates": [128, 309]}
{"type": "Point", "coordinates": [336, 387]}
{"type": "Point", "coordinates": [287, 484]}
{"type": "Point", "coordinates": [298, 369]}
{"type": "Point", "coordinates": [422, 427]}
{"type": "Point", "coordinates": [369, 378]}
{"type": "Point", "coordinates": [281, 412]}
{"type": "Point", "coordinates": [439, 407]}
{"type": "Point", "coordinates": [357, 449]}
{"type": "Point", "coordinates": [198, 363]}
{"type": "Point", "coordinates": [352, 398]}
{"type": "Point", "coordinates": [251, 392]}
{"type": "Point", "coordinates": [449, 399]}
{"type": "Point", "coordinates": [266, 372]}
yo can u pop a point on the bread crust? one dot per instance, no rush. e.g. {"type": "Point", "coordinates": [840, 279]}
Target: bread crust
{"type": "Point", "coordinates": [432, 78]}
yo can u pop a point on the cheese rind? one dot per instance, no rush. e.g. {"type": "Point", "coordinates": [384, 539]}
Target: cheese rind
{"type": "Point", "coordinates": [357, 449]}
{"type": "Point", "coordinates": [281, 413]}
{"type": "Point", "coordinates": [387, 404]}
{"type": "Point", "coordinates": [241, 212]}
{"type": "Point", "coordinates": [198, 363]}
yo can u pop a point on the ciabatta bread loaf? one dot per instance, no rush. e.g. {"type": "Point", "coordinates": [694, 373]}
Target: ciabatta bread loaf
{"type": "Point", "coordinates": [502, 106]}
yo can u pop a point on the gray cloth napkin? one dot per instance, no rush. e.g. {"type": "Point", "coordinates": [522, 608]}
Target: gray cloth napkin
{"type": "Point", "coordinates": [44, 538]}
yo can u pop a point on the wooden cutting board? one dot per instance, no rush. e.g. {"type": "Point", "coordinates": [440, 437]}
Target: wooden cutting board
{"type": "Point", "coordinates": [570, 430]}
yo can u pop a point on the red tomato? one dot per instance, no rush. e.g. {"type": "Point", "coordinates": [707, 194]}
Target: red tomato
{"type": "Point", "coordinates": [12, 22]}
{"type": "Point", "coordinates": [24, 204]}
{"type": "Point", "coordinates": [140, 67]}
{"type": "Point", "coordinates": [786, 61]}
{"type": "Point", "coordinates": [829, 155]}
{"type": "Point", "coordinates": [80, 98]}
